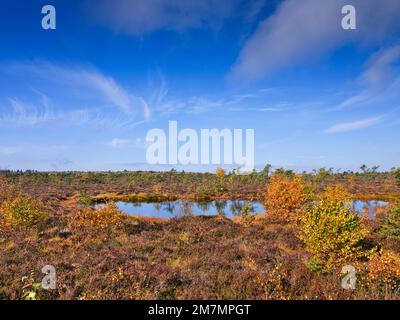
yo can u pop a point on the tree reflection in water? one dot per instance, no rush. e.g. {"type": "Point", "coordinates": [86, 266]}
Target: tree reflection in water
{"type": "Point", "coordinates": [220, 206]}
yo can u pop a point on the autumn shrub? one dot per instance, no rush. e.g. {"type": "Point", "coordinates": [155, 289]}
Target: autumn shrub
{"type": "Point", "coordinates": [285, 197]}
{"type": "Point", "coordinates": [247, 215]}
{"type": "Point", "coordinates": [102, 218]}
{"type": "Point", "coordinates": [332, 231]}
{"type": "Point", "coordinates": [220, 173]}
{"type": "Point", "coordinates": [23, 211]}
{"type": "Point", "coordinates": [397, 176]}
{"type": "Point", "coordinates": [391, 226]}
{"type": "Point", "coordinates": [84, 199]}
{"type": "Point", "coordinates": [30, 288]}
{"type": "Point", "coordinates": [316, 266]}
{"type": "Point", "coordinates": [335, 194]}
{"type": "Point", "coordinates": [7, 190]}
{"type": "Point", "coordinates": [202, 194]}
{"type": "Point", "coordinates": [384, 270]}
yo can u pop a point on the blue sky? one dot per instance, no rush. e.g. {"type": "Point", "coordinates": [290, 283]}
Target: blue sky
{"type": "Point", "coordinates": [83, 96]}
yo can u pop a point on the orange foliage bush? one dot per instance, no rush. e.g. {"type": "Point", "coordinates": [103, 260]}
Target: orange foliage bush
{"type": "Point", "coordinates": [285, 197]}
{"type": "Point", "coordinates": [6, 190]}
{"type": "Point", "coordinates": [384, 269]}
{"type": "Point", "coordinates": [102, 218]}
{"type": "Point", "coordinates": [220, 173]}
{"type": "Point", "coordinates": [335, 194]}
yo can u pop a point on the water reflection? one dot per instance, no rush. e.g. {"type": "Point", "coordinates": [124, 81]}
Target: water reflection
{"type": "Point", "coordinates": [367, 208]}
{"type": "Point", "coordinates": [237, 207]}
{"type": "Point", "coordinates": [220, 206]}
{"type": "Point", "coordinates": [204, 206]}
{"type": "Point", "coordinates": [229, 208]}
{"type": "Point", "coordinates": [186, 208]}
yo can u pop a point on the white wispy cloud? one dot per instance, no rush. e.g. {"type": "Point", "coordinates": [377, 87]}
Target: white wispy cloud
{"type": "Point", "coordinates": [58, 163]}
{"type": "Point", "coordinates": [381, 73]}
{"type": "Point", "coordinates": [139, 17]}
{"type": "Point", "coordinates": [119, 143]}
{"type": "Point", "coordinates": [124, 143]}
{"type": "Point", "coordinates": [162, 103]}
{"type": "Point", "coordinates": [19, 114]}
{"type": "Point", "coordinates": [21, 148]}
{"type": "Point", "coordinates": [353, 100]}
{"type": "Point", "coordinates": [73, 90]}
{"type": "Point", "coordinates": [200, 104]}
{"type": "Point", "coordinates": [354, 125]}
{"type": "Point", "coordinates": [301, 31]}
{"type": "Point", "coordinates": [242, 109]}
{"type": "Point", "coordinates": [381, 69]}
{"type": "Point", "coordinates": [109, 88]}
{"type": "Point", "coordinates": [79, 77]}
{"type": "Point", "coordinates": [146, 110]}
{"type": "Point", "coordinates": [7, 150]}
{"type": "Point", "coordinates": [268, 144]}
{"type": "Point", "coordinates": [22, 113]}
